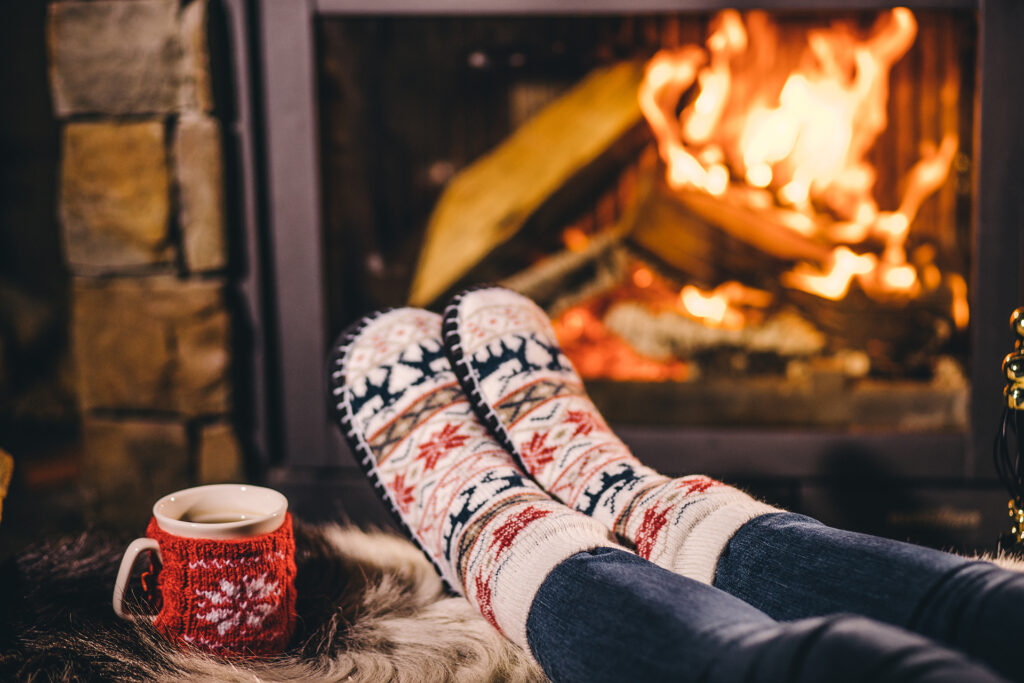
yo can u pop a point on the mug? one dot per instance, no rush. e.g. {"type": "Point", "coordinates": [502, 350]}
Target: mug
{"type": "Point", "coordinates": [225, 569]}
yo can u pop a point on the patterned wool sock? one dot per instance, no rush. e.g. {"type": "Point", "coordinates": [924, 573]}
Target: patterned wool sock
{"type": "Point", "coordinates": [491, 533]}
{"type": "Point", "coordinates": [523, 387]}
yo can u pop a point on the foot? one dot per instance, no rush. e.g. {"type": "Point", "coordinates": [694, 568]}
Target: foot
{"type": "Point", "coordinates": [523, 387]}
{"type": "Point", "coordinates": [491, 533]}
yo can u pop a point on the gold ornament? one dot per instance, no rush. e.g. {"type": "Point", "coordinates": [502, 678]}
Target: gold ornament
{"type": "Point", "coordinates": [1014, 394]}
{"type": "Point", "coordinates": [1013, 367]}
{"type": "Point", "coordinates": [1017, 525]}
{"type": "Point", "coordinates": [1017, 323]}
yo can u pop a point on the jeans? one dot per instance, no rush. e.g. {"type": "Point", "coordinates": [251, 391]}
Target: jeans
{"type": "Point", "coordinates": [793, 567]}
{"type": "Point", "coordinates": [807, 592]}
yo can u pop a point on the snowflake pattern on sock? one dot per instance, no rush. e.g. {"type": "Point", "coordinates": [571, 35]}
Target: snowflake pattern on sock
{"type": "Point", "coordinates": [526, 390]}
{"type": "Point", "coordinates": [490, 531]}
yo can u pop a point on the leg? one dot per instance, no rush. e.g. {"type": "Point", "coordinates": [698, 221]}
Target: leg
{"type": "Point", "coordinates": [521, 384]}
{"type": "Point", "coordinates": [792, 567]}
{"type": "Point", "coordinates": [608, 615]}
{"type": "Point", "coordinates": [524, 561]}
{"type": "Point", "coordinates": [508, 361]}
{"type": "Point", "coordinates": [491, 533]}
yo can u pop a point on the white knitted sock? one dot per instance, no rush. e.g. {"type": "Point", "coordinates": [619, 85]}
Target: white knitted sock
{"type": "Point", "coordinates": [524, 388]}
{"type": "Point", "coordinates": [492, 534]}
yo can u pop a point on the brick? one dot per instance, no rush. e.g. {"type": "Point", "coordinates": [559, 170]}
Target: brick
{"type": "Point", "coordinates": [115, 195]}
{"type": "Point", "coordinates": [114, 57]}
{"type": "Point", "coordinates": [155, 343]}
{"type": "Point", "coordinates": [220, 455]}
{"type": "Point", "coordinates": [196, 93]}
{"type": "Point", "coordinates": [199, 170]}
{"type": "Point", "coordinates": [130, 463]}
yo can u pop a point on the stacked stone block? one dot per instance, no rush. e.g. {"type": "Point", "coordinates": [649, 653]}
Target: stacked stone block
{"type": "Point", "coordinates": [142, 207]}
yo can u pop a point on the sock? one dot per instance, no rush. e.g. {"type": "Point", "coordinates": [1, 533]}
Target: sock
{"type": "Point", "coordinates": [491, 533]}
{"type": "Point", "coordinates": [523, 387]}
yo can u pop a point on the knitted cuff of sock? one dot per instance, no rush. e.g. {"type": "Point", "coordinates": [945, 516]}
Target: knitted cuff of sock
{"type": "Point", "coordinates": [538, 551]}
{"type": "Point", "coordinates": [697, 558]}
{"type": "Point", "coordinates": [234, 596]}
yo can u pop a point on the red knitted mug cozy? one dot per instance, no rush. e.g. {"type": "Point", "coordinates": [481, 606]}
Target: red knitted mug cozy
{"type": "Point", "coordinates": [228, 597]}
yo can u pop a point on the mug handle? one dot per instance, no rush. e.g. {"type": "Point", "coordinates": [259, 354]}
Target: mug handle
{"type": "Point", "coordinates": [139, 545]}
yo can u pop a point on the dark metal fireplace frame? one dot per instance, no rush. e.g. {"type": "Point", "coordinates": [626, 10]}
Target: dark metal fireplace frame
{"type": "Point", "coordinates": [277, 134]}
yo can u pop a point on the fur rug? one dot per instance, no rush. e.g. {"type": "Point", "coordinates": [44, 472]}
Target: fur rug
{"type": "Point", "coordinates": [371, 608]}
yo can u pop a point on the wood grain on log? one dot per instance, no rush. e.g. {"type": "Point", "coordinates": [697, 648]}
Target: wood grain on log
{"type": "Point", "coordinates": [708, 241]}
{"type": "Point", "coordinates": [489, 201]}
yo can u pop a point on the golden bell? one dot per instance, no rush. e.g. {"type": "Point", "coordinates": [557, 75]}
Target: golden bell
{"type": "Point", "coordinates": [1014, 394]}
{"type": "Point", "coordinates": [1013, 367]}
{"type": "Point", "coordinates": [1017, 322]}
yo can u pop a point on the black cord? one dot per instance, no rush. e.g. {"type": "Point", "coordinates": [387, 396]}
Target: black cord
{"type": "Point", "coordinates": [1008, 454]}
{"type": "Point", "coordinates": [1008, 458]}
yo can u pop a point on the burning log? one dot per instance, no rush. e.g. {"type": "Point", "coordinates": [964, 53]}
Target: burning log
{"type": "Point", "coordinates": [550, 160]}
{"type": "Point", "coordinates": [710, 239]}
{"type": "Point", "coordinates": [572, 275]}
{"type": "Point", "coordinates": [897, 335]}
{"type": "Point", "coordinates": [668, 334]}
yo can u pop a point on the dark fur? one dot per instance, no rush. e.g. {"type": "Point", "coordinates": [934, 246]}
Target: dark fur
{"type": "Point", "coordinates": [370, 607]}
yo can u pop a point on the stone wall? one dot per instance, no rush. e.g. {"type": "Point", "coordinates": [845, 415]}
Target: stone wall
{"type": "Point", "coordinates": [142, 209]}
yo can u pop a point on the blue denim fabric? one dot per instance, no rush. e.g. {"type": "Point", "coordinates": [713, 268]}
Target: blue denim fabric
{"type": "Point", "coordinates": [608, 615]}
{"type": "Point", "coordinates": [793, 567]}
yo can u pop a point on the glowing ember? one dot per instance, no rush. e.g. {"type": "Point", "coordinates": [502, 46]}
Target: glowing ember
{"type": "Point", "coordinates": [642, 277]}
{"type": "Point", "coordinates": [599, 354]}
{"type": "Point", "coordinates": [575, 239]}
{"type": "Point", "coordinates": [800, 131]}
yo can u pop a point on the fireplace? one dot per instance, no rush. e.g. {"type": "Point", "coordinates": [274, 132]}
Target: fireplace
{"type": "Point", "coordinates": [674, 276]}
{"type": "Point", "coordinates": [809, 331]}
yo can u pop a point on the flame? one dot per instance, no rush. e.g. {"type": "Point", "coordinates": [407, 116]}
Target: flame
{"type": "Point", "coordinates": [720, 307]}
{"type": "Point", "coordinates": [961, 313]}
{"type": "Point", "coordinates": [833, 283]}
{"type": "Point", "coordinates": [711, 308]}
{"type": "Point", "coordinates": [802, 137]}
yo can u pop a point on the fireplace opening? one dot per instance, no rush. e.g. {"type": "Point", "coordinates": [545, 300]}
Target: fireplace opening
{"type": "Point", "coordinates": [757, 219]}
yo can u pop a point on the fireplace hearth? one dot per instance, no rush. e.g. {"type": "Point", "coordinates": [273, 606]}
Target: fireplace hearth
{"type": "Point", "coordinates": [812, 336]}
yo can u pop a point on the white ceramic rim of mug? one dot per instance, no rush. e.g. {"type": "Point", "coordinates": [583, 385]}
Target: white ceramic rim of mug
{"type": "Point", "coordinates": [267, 517]}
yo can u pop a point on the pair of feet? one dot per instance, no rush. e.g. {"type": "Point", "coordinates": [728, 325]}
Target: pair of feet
{"type": "Point", "coordinates": [477, 433]}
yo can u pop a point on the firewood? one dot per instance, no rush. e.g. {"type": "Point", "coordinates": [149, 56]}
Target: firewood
{"type": "Point", "coordinates": [550, 279]}
{"type": "Point", "coordinates": [897, 334]}
{"type": "Point", "coordinates": [665, 335]}
{"type": "Point", "coordinates": [555, 156]}
{"type": "Point", "coordinates": [711, 239]}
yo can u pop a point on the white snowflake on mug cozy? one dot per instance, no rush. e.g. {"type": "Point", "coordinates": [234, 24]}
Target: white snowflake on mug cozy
{"type": "Point", "coordinates": [245, 603]}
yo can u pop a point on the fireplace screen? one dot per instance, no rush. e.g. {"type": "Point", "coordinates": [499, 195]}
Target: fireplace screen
{"type": "Point", "coordinates": [757, 219]}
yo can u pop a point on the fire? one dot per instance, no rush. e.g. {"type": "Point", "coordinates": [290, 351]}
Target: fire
{"type": "Point", "coordinates": [599, 354]}
{"type": "Point", "coordinates": [770, 129]}
{"type": "Point", "coordinates": [835, 282]}
{"type": "Point", "coordinates": [722, 306]}
{"type": "Point", "coordinates": [710, 308]}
